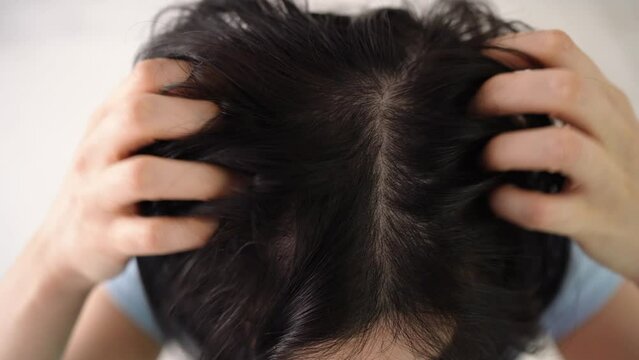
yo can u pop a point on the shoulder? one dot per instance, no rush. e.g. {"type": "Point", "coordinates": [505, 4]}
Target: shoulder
{"type": "Point", "coordinates": [586, 288]}
{"type": "Point", "coordinates": [127, 292]}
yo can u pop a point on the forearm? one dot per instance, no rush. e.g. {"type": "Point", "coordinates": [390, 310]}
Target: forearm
{"type": "Point", "coordinates": [39, 304]}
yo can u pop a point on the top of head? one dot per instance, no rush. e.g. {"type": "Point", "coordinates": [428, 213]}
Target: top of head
{"type": "Point", "coordinates": [367, 209]}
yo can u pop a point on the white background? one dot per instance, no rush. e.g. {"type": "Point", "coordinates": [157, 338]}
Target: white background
{"type": "Point", "coordinates": [59, 59]}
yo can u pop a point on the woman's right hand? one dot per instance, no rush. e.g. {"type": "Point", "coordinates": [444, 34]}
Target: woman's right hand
{"type": "Point", "coordinates": [92, 228]}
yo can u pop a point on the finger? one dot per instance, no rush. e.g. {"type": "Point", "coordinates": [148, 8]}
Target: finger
{"type": "Point", "coordinates": [145, 177]}
{"type": "Point", "coordinates": [561, 93]}
{"type": "Point", "coordinates": [148, 76]}
{"type": "Point", "coordinates": [145, 118]}
{"type": "Point", "coordinates": [550, 148]}
{"type": "Point", "coordinates": [551, 48]}
{"type": "Point", "coordinates": [160, 235]}
{"type": "Point", "coordinates": [153, 75]}
{"type": "Point", "coordinates": [563, 214]}
{"type": "Point", "coordinates": [513, 60]}
{"type": "Point", "coordinates": [140, 121]}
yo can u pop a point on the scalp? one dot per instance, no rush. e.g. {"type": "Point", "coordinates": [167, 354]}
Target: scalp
{"type": "Point", "coordinates": [367, 206]}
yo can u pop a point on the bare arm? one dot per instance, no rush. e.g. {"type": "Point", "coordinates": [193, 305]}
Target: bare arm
{"type": "Point", "coordinates": [104, 332]}
{"type": "Point", "coordinates": [38, 307]}
{"type": "Point", "coordinates": [92, 230]}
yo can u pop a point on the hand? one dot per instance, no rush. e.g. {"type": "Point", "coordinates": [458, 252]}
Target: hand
{"type": "Point", "coordinates": [598, 151]}
{"type": "Point", "coordinates": [92, 229]}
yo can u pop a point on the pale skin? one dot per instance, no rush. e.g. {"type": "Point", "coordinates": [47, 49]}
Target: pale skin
{"type": "Point", "coordinates": [50, 299]}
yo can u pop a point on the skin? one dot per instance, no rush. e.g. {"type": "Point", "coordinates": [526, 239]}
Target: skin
{"type": "Point", "coordinates": [91, 229]}
{"type": "Point", "coordinates": [598, 150]}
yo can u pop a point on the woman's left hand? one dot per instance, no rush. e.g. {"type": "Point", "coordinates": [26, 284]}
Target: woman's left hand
{"type": "Point", "coordinates": [598, 150]}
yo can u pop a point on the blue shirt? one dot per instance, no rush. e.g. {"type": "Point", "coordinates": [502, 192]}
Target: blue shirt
{"type": "Point", "coordinates": [587, 286]}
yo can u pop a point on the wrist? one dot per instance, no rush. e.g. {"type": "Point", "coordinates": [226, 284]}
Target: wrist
{"type": "Point", "coordinates": [47, 267]}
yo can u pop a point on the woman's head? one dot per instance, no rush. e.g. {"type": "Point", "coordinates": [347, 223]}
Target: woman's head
{"type": "Point", "coordinates": [366, 222]}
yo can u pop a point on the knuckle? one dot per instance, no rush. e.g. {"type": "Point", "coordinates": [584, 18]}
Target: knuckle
{"type": "Point", "coordinates": [81, 163]}
{"type": "Point", "coordinates": [136, 109]}
{"type": "Point", "coordinates": [538, 214]}
{"type": "Point", "coordinates": [563, 148]}
{"type": "Point", "coordinates": [557, 41]}
{"type": "Point", "coordinates": [566, 86]}
{"type": "Point", "coordinates": [138, 173]}
{"type": "Point", "coordinates": [150, 236]}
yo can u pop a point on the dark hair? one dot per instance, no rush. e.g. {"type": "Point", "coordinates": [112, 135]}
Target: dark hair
{"type": "Point", "coordinates": [368, 205]}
